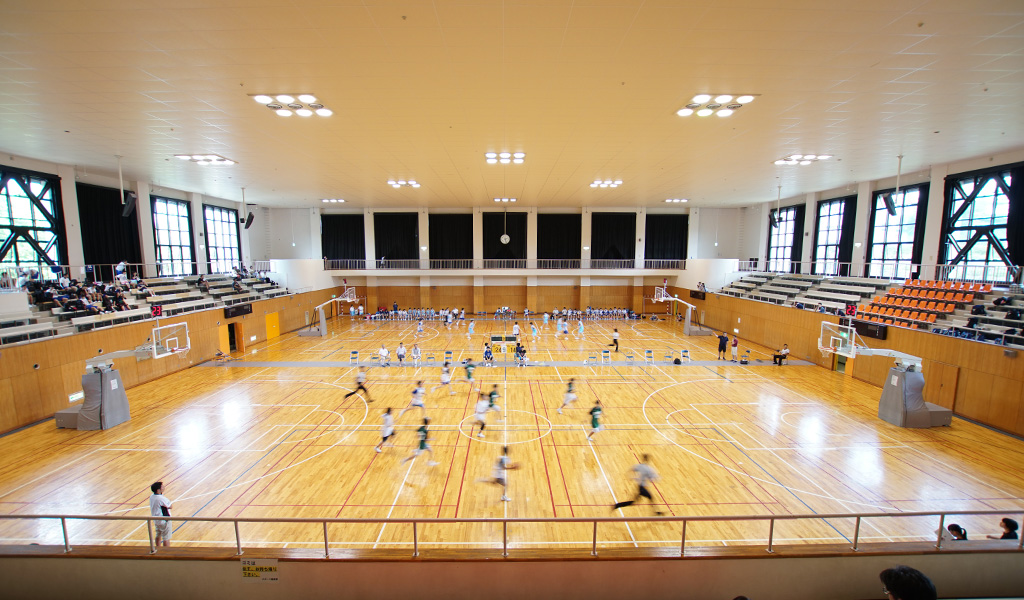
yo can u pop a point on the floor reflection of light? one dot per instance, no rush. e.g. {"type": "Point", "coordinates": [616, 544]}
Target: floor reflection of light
{"type": "Point", "coordinates": [234, 414]}
{"type": "Point", "coordinates": [864, 467]}
{"type": "Point", "coordinates": [191, 438]}
{"type": "Point", "coordinates": [810, 430]}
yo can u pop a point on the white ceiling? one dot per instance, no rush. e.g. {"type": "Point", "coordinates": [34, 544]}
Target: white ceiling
{"type": "Point", "coordinates": [587, 88]}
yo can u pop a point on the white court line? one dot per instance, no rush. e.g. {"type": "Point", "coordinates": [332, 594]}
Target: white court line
{"type": "Point", "coordinates": [395, 501]}
{"type": "Point", "coordinates": [609, 484]}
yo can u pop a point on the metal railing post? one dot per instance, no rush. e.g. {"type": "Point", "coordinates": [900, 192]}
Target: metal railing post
{"type": "Point", "coordinates": [771, 534]}
{"type": "Point", "coordinates": [504, 538]}
{"type": "Point", "coordinates": [593, 546]}
{"type": "Point", "coordinates": [152, 546]}
{"type": "Point", "coordinates": [415, 541]}
{"type": "Point", "coordinates": [64, 527]}
{"type": "Point", "coordinates": [938, 542]}
{"type": "Point", "coordinates": [238, 540]}
{"type": "Point", "coordinates": [682, 545]}
{"type": "Point", "coordinates": [327, 545]}
{"type": "Point", "coordinates": [856, 534]}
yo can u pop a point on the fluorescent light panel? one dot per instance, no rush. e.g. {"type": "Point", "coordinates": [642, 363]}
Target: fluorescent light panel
{"type": "Point", "coordinates": [207, 159]}
{"type": "Point", "coordinates": [286, 105]}
{"type": "Point", "coordinates": [722, 105]}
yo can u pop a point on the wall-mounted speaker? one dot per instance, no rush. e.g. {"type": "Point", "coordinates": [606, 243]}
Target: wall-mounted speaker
{"type": "Point", "coordinates": [890, 205]}
{"type": "Point", "coordinates": [773, 218]}
{"type": "Point", "coordinates": [248, 220]}
{"type": "Point", "coordinates": [130, 198]}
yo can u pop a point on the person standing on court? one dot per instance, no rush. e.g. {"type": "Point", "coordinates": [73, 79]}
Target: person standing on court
{"type": "Point", "coordinates": [160, 506]}
{"type": "Point", "coordinates": [735, 348]}
{"type": "Point", "coordinates": [723, 342]}
{"type": "Point", "coordinates": [615, 339]}
{"type": "Point", "coordinates": [644, 474]}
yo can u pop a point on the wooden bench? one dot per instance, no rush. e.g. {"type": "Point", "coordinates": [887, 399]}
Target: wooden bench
{"type": "Point", "coordinates": [10, 335]}
{"type": "Point", "coordinates": [848, 298]}
{"type": "Point", "coordinates": [106, 319]}
{"type": "Point", "coordinates": [849, 289]}
{"type": "Point", "coordinates": [18, 319]}
{"type": "Point", "coordinates": [172, 298]}
{"type": "Point", "coordinates": [239, 298]}
{"type": "Point", "coordinates": [182, 307]}
{"type": "Point", "coordinates": [780, 290]}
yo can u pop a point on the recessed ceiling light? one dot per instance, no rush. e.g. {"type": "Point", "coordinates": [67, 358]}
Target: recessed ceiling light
{"type": "Point", "coordinates": [684, 112]}
{"type": "Point", "coordinates": [183, 156]}
{"type": "Point", "coordinates": [714, 106]}
{"type": "Point", "coordinates": [334, 199]}
{"type": "Point", "coordinates": [701, 98]}
{"type": "Point", "coordinates": [519, 155]}
{"type": "Point", "coordinates": [202, 162]}
{"type": "Point", "coordinates": [725, 112]}
{"type": "Point", "coordinates": [704, 112]}
{"type": "Point", "coordinates": [618, 182]}
{"type": "Point", "coordinates": [315, 105]}
{"type": "Point", "coordinates": [810, 156]}
{"type": "Point", "coordinates": [505, 155]}
{"type": "Point", "coordinates": [745, 99]}
{"type": "Point", "coordinates": [517, 161]}
{"type": "Point", "coordinates": [324, 112]}
{"type": "Point", "coordinates": [307, 98]}
{"type": "Point", "coordinates": [802, 159]}
{"type": "Point", "coordinates": [206, 159]}
{"type": "Point", "coordinates": [805, 162]}
{"type": "Point", "coordinates": [492, 161]}
{"type": "Point", "coordinates": [795, 156]}
{"type": "Point", "coordinates": [586, 247]}
{"type": "Point", "coordinates": [693, 105]}
{"type": "Point", "coordinates": [734, 106]}
{"type": "Point", "coordinates": [284, 112]}
{"type": "Point", "coordinates": [780, 162]}
{"type": "Point", "coordinates": [593, 184]}
{"type": "Point", "coordinates": [263, 98]}
{"type": "Point", "coordinates": [491, 155]}
{"type": "Point", "coordinates": [325, 200]}
{"type": "Point", "coordinates": [423, 248]}
{"type": "Point", "coordinates": [504, 161]}
{"type": "Point", "coordinates": [274, 106]}
{"type": "Point", "coordinates": [285, 99]}
{"type": "Point", "coordinates": [497, 199]}
{"type": "Point", "coordinates": [401, 182]}
{"type": "Point", "coordinates": [723, 98]}
{"type": "Point", "coordinates": [294, 105]}
{"type": "Point", "coordinates": [391, 182]}
{"type": "Point", "coordinates": [824, 156]}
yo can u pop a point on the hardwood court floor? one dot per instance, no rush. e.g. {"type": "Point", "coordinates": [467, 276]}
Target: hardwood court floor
{"type": "Point", "coordinates": [271, 435]}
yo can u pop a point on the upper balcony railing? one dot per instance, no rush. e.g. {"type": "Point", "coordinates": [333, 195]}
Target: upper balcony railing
{"type": "Point", "coordinates": [502, 263]}
{"type": "Point", "coordinates": [891, 270]}
{"type": "Point", "coordinates": [14, 277]}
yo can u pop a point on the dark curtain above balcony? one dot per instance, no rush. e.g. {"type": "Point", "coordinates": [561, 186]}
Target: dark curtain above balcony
{"type": "Point", "coordinates": [343, 237]}
{"type": "Point", "coordinates": [1015, 218]}
{"type": "Point", "coordinates": [451, 236]}
{"type": "Point", "coordinates": [665, 237]}
{"type": "Point", "coordinates": [612, 236]}
{"type": "Point", "coordinates": [108, 237]}
{"type": "Point", "coordinates": [396, 236]}
{"type": "Point", "coordinates": [494, 226]}
{"type": "Point", "coordinates": [559, 236]}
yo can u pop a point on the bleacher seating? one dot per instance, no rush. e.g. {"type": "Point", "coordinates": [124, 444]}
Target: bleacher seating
{"type": "Point", "coordinates": [10, 335]}
{"type": "Point", "coordinates": [107, 319]}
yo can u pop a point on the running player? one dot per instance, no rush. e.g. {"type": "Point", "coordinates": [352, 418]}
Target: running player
{"type": "Point", "coordinates": [595, 419]}
{"type": "Point", "coordinates": [479, 416]}
{"type": "Point", "coordinates": [387, 429]}
{"type": "Point", "coordinates": [416, 354]}
{"type": "Point", "coordinates": [417, 400]}
{"type": "Point", "coordinates": [579, 331]}
{"type": "Point", "coordinates": [446, 378]}
{"type": "Point", "coordinates": [424, 436]}
{"type": "Point", "coordinates": [545, 320]}
{"type": "Point", "coordinates": [488, 355]}
{"type": "Point", "coordinates": [565, 328]}
{"type": "Point", "coordinates": [419, 328]}
{"type": "Point", "coordinates": [534, 335]}
{"type": "Point", "coordinates": [643, 474]}
{"type": "Point", "coordinates": [615, 339]}
{"type": "Point", "coordinates": [360, 385]}
{"type": "Point", "coordinates": [570, 395]}
{"type": "Point", "coordinates": [400, 354]}
{"type": "Point", "coordinates": [492, 401]}
{"type": "Point", "coordinates": [470, 367]}
{"type": "Point", "coordinates": [499, 476]}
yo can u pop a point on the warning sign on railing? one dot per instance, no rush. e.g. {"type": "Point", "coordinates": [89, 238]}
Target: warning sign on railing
{"type": "Point", "coordinates": [259, 570]}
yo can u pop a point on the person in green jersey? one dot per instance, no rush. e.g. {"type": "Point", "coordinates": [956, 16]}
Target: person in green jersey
{"type": "Point", "coordinates": [595, 418]}
{"type": "Point", "coordinates": [423, 446]}
{"type": "Point", "coordinates": [470, 367]}
{"type": "Point", "coordinates": [570, 395]}
{"type": "Point", "coordinates": [492, 401]}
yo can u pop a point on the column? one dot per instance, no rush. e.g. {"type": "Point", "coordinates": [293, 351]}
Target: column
{"type": "Point", "coordinates": [199, 252]}
{"type": "Point", "coordinates": [316, 241]}
{"type": "Point", "coordinates": [144, 214]}
{"type": "Point", "coordinates": [72, 224]}
{"type": "Point", "coordinates": [478, 293]}
{"type": "Point", "coordinates": [478, 241]}
{"type": "Point", "coordinates": [424, 223]}
{"type": "Point", "coordinates": [584, 292]}
{"type": "Point", "coordinates": [425, 299]}
{"type": "Point", "coordinates": [531, 239]}
{"type": "Point", "coordinates": [585, 237]}
{"type": "Point", "coordinates": [861, 230]}
{"type": "Point", "coordinates": [531, 293]}
{"type": "Point", "coordinates": [371, 244]}
{"type": "Point", "coordinates": [933, 221]}
{"type": "Point", "coordinates": [641, 235]}
{"type": "Point", "coordinates": [810, 222]}
{"type": "Point", "coordinates": [694, 234]}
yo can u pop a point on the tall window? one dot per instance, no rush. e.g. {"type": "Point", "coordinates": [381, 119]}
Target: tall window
{"type": "Point", "coordinates": [977, 207]}
{"type": "Point", "coordinates": [172, 228]}
{"type": "Point", "coordinates": [221, 238]}
{"type": "Point", "coordinates": [829, 235]}
{"type": "Point", "coordinates": [29, 221]}
{"type": "Point", "coordinates": [780, 242]}
{"type": "Point", "coordinates": [894, 240]}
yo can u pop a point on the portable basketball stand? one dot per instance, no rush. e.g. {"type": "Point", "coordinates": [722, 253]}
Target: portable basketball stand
{"type": "Point", "coordinates": [320, 329]}
{"type": "Point", "coordinates": [661, 295]}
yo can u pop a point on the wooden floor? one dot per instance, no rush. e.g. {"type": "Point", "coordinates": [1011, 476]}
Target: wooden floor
{"type": "Point", "coordinates": [271, 435]}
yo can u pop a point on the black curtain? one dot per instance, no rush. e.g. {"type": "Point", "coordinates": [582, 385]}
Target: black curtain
{"type": "Point", "coordinates": [343, 237]}
{"type": "Point", "coordinates": [451, 236]}
{"type": "Point", "coordinates": [107, 237]}
{"type": "Point", "coordinates": [798, 238]}
{"type": "Point", "coordinates": [666, 237]}
{"type": "Point", "coordinates": [846, 236]}
{"type": "Point", "coordinates": [559, 236]}
{"type": "Point", "coordinates": [494, 226]}
{"type": "Point", "coordinates": [396, 236]}
{"type": "Point", "coordinates": [612, 235]}
{"type": "Point", "coordinates": [1015, 217]}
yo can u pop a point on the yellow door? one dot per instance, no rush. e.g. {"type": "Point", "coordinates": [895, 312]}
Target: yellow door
{"type": "Point", "coordinates": [224, 339]}
{"type": "Point", "coordinates": [273, 326]}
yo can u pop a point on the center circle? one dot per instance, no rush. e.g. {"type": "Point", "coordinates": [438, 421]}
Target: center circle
{"type": "Point", "coordinates": [487, 441]}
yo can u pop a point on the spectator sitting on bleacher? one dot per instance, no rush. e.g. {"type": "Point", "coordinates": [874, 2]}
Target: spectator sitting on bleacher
{"type": "Point", "coordinates": [237, 287]}
{"type": "Point", "coordinates": [1001, 301]}
{"type": "Point", "coordinates": [202, 284]}
{"type": "Point", "coordinates": [143, 289]}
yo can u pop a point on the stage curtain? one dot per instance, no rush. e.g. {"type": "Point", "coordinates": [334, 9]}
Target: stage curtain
{"type": "Point", "coordinates": [666, 237]}
{"type": "Point", "coordinates": [451, 236]}
{"type": "Point", "coordinates": [612, 236]}
{"type": "Point", "coordinates": [343, 236]}
{"type": "Point", "coordinates": [559, 236]}
{"type": "Point", "coordinates": [1015, 217]}
{"type": "Point", "coordinates": [396, 236]}
{"type": "Point", "coordinates": [494, 226]}
{"type": "Point", "coordinates": [107, 237]}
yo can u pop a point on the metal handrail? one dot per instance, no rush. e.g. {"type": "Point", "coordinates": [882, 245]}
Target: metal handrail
{"type": "Point", "coordinates": [502, 263]}
{"type": "Point", "coordinates": [890, 270]}
{"type": "Point", "coordinates": [416, 523]}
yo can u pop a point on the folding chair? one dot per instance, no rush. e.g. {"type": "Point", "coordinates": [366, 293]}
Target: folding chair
{"type": "Point", "coordinates": [649, 356]}
{"type": "Point", "coordinates": [606, 357]}
{"type": "Point", "coordinates": [684, 355]}
{"type": "Point", "coordinates": [448, 356]}
{"type": "Point", "coordinates": [353, 357]}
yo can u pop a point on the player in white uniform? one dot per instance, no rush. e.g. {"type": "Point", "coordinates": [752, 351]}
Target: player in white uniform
{"type": "Point", "coordinates": [570, 395]}
{"type": "Point", "coordinates": [446, 378]}
{"type": "Point", "coordinates": [644, 475]}
{"type": "Point", "coordinates": [387, 429]}
{"type": "Point", "coordinates": [615, 339]}
{"type": "Point", "coordinates": [360, 385]}
{"type": "Point", "coordinates": [423, 445]}
{"type": "Point", "coordinates": [384, 356]}
{"type": "Point", "coordinates": [546, 320]}
{"type": "Point", "coordinates": [417, 400]}
{"type": "Point", "coordinates": [400, 354]}
{"type": "Point", "coordinates": [499, 474]}
{"type": "Point", "coordinates": [480, 415]}
{"type": "Point", "coordinates": [565, 328]}
{"type": "Point", "coordinates": [416, 354]}
{"type": "Point", "coordinates": [419, 328]}
{"type": "Point", "coordinates": [558, 327]}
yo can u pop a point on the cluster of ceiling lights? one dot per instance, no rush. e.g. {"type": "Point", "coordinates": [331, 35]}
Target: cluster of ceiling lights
{"type": "Point", "coordinates": [403, 183]}
{"type": "Point", "coordinates": [676, 200]}
{"type": "Point", "coordinates": [802, 159]}
{"type": "Point", "coordinates": [285, 105]}
{"type": "Point", "coordinates": [606, 183]}
{"type": "Point", "coordinates": [505, 158]}
{"type": "Point", "coordinates": [504, 199]}
{"type": "Point", "coordinates": [332, 200]}
{"type": "Point", "coordinates": [206, 159]}
{"type": "Point", "coordinates": [722, 105]}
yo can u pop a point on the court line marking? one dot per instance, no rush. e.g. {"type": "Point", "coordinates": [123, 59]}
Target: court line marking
{"type": "Point", "coordinates": [394, 502]}
{"type": "Point", "coordinates": [609, 484]}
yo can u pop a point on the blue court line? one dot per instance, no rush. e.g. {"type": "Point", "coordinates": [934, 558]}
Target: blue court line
{"type": "Point", "coordinates": [785, 487]}
{"type": "Point", "coordinates": [718, 374]}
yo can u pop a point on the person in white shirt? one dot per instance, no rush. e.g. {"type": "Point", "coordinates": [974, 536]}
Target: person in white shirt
{"type": "Point", "coordinates": [387, 429]}
{"type": "Point", "coordinates": [781, 355]}
{"type": "Point", "coordinates": [615, 339]}
{"type": "Point", "coordinates": [400, 354]}
{"type": "Point", "coordinates": [644, 474]}
{"type": "Point", "coordinates": [515, 329]}
{"type": "Point", "coordinates": [160, 506]}
{"type": "Point", "coordinates": [499, 474]}
{"type": "Point", "coordinates": [419, 328]}
{"type": "Point", "coordinates": [570, 395]}
{"type": "Point", "coordinates": [417, 400]}
{"type": "Point", "coordinates": [360, 385]}
{"type": "Point", "coordinates": [416, 354]}
{"type": "Point", "coordinates": [384, 356]}
{"type": "Point", "coordinates": [480, 415]}
{"type": "Point", "coordinates": [446, 378]}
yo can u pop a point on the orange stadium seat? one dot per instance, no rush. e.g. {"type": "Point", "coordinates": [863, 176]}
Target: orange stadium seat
{"type": "Point", "coordinates": [931, 318]}
{"type": "Point", "coordinates": [959, 298]}
{"type": "Point", "coordinates": [968, 298]}
{"type": "Point", "coordinates": [914, 316]}
{"type": "Point", "coordinates": [931, 306]}
{"type": "Point", "coordinates": [987, 288]}
{"type": "Point", "coordinates": [888, 322]}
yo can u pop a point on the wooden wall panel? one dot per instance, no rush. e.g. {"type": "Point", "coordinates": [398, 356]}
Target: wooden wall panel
{"type": "Point", "coordinates": [512, 296]}
{"type": "Point", "coordinates": [611, 296]}
{"type": "Point", "coordinates": [407, 296]}
{"type": "Point", "coordinates": [460, 296]}
{"type": "Point", "coordinates": [550, 296]}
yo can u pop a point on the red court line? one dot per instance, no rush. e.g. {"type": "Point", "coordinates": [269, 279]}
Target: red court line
{"type": "Point", "coordinates": [465, 465]}
{"type": "Point", "coordinates": [543, 455]}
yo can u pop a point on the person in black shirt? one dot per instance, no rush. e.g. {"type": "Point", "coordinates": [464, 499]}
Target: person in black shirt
{"type": "Point", "coordinates": [723, 343]}
{"type": "Point", "coordinates": [1009, 530]}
